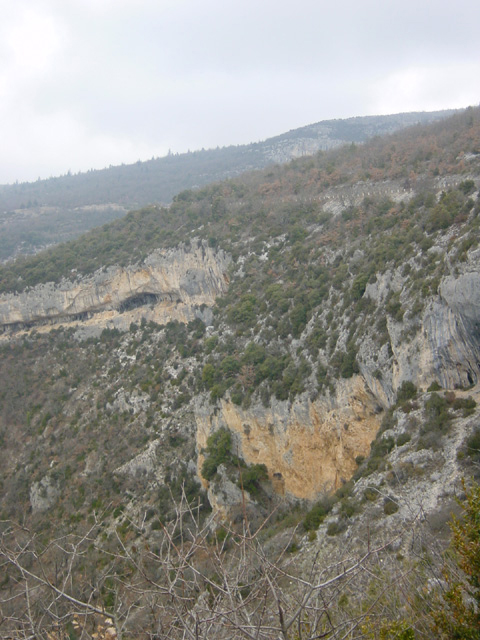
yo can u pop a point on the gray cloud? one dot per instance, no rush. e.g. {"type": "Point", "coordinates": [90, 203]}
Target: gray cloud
{"type": "Point", "coordinates": [87, 83]}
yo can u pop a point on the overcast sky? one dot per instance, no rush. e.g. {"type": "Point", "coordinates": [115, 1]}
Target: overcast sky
{"type": "Point", "coordinates": [92, 83]}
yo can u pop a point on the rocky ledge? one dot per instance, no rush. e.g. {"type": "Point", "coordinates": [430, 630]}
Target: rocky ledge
{"type": "Point", "coordinates": [173, 284]}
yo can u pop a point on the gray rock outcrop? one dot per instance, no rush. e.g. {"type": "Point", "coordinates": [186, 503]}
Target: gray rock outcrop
{"type": "Point", "coordinates": [173, 284]}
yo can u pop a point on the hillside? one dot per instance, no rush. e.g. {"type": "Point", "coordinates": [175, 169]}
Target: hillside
{"type": "Point", "coordinates": [251, 409]}
{"type": "Point", "coordinates": [42, 213]}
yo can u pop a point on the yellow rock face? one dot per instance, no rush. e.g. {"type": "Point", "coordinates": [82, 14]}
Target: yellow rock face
{"type": "Point", "coordinates": [307, 447]}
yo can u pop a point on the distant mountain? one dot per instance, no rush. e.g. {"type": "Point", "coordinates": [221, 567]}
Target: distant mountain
{"type": "Point", "coordinates": [35, 215]}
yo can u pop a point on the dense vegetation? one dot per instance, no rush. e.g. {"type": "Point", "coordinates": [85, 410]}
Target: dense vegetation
{"type": "Point", "coordinates": [40, 214]}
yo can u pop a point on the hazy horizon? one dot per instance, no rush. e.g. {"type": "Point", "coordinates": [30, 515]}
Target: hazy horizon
{"type": "Point", "coordinates": [86, 84]}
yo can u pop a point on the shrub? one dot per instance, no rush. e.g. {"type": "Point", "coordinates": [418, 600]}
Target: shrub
{"type": "Point", "coordinates": [244, 313]}
{"type": "Point", "coordinates": [252, 476]}
{"type": "Point", "coordinates": [349, 507]}
{"type": "Point", "coordinates": [370, 494]}
{"type": "Point", "coordinates": [336, 527]}
{"type": "Point", "coordinates": [466, 404]}
{"type": "Point", "coordinates": [406, 391]}
{"type": "Point", "coordinates": [394, 307]}
{"type": "Point", "coordinates": [358, 286]}
{"type": "Point", "coordinates": [389, 507]}
{"type": "Point", "coordinates": [209, 375]}
{"type": "Point", "coordinates": [349, 365]}
{"type": "Point", "coordinates": [382, 446]}
{"type": "Point", "coordinates": [217, 452]}
{"type": "Point", "coordinates": [403, 438]}
{"type": "Point", "coordinates": [317, 513]}
{"type": "Point", "coordinates": [472, 445]}
{"type": "Point", "coordinates": [458, 616]}
{"type": "Point", "coordinates": [436, 414]}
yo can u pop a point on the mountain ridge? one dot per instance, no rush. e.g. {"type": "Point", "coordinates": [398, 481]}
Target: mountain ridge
{"type": "Point", "coordinates": [38, 214]}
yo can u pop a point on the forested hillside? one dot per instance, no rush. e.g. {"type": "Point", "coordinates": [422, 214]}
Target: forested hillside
{"type": "Point", "coordinates": [42, 213]}
{"type": "Point", "coordinates": [279, 461]}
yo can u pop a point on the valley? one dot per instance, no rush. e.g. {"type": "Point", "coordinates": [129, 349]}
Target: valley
{"type": "Point", "coordinates": [252, 408]}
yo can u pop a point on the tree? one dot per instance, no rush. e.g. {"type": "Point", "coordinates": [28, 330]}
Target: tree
{"type": "Point", "coordinates": [189, 585]}
{"type": "Point", "coordinates": [459, 617]}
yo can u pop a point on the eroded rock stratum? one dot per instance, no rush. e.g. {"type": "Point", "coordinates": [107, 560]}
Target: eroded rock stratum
{"type": "Point", "coordinates": [308, 447]}
{"type": "Point", "coordinates": [173, 284]}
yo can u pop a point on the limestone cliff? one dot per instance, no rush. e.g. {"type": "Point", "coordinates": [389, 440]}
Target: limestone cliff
{"type": "Point", "coordinates": [308, 447]}
{"type": "Point", "coordinates": [170, 284]}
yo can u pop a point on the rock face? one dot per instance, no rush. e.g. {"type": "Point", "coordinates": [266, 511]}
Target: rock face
{"type": "Point", "coordinates": [43, 494]}
{"type": "Point", "coordinates": [447, 349]}
{"type": "Point", "coordinates": [310, 447]}
{"type": "Point", "coordinates": [454, 331]}
{"type": "Point", "coordinates": [173, 284]}
{"type": "Point", "coordinates": [307, 447]}
{"type": "Point", "coordinates": [445, 345]}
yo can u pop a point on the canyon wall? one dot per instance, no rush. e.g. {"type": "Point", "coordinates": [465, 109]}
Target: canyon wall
{"type": "Point", "coordinates": [172, 284]}
{"type": "Point", "coordinates": [309, 447]}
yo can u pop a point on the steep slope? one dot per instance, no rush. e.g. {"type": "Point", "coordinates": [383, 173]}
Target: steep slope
{"type": "Point", "coordinates": [173, 285]}
{"type": "Point", "coordinates": [42, 213]}
{"type": "Point", "coordinates": [339, 358]}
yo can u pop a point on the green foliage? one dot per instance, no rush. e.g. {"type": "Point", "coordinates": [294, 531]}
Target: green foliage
{"type": "Point", "coordinates": [466, 405]}
{"type": "Point", "coordinates": [388, 630]}
{"type": "Point", "coordinates": [252, 476]}
{"type": "Point", "coordinates": [358, 286]}
{"type": "Point", "coordinates": [390, 507]}
{"type": "Point", "coordinates": [217, 452]}
{"type": "Point", "coordinates": [459, 614]}
{"type": "Point", "coordinates": [403, 438]}
{"type": "Point", "coordinates": [244, 313]}
{"type": "Point", "coordinates": [451, 205]}
{"type": "Point", "coordinates": [317, 513]}
{"type": "Point", "coordinates": [349, 365]}
{"type": "Point", "coordinates": [209, 375]}
{"type": "Point", "coordinates": [336, 527]}
{"type": "Point", "coordinates": [472, 445]}
{"type": "Point", "coordinates": [467, 187]}
{"type": "Point", "coordinates": [394, 307]}
{"type": "Point", "coordinates": [406, 391]}
{"type": "Point", "coordinates": [437, 417]}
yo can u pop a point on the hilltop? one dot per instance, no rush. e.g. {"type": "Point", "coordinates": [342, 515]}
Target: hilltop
{"type": "Point", "coordinates": [43, 213]}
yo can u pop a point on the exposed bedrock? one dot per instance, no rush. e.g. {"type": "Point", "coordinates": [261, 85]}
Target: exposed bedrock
{"type": "Point", "coordinates": [307, 447]}
{"type": "Point", "coordinates": [173, 283]}
{"type": "Point", "coordinates": [452, 328]}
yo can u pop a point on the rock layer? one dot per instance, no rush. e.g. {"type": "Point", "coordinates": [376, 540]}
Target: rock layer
{"type": "Point", "coordinates": [172, 283]}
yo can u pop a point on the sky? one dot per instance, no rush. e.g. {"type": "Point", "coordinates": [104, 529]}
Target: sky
{"type": "Point", "coordinates": [85, 84]}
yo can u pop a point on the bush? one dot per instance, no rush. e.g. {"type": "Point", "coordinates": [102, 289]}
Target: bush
{"type": "Point", "coordinates": [349, 364]}
{"type": "Point", "coordinates": [349, 507]}
{"type": "Point", "coordinates": [370, 494]}
{"type": "Point", "coordinates": [217, 452]}
{"type": "Point", "coordinates": [407, 391]}
{"type": "Point", "coordinates": [466, 404]}
{"type": "Point", "coordinates": [458, 616]}
{"type": "Point", "coordinates": [252, 476]}
{"type": "Point", "coordinates": [472, 445]}
{"type": "Point", "coordinates": [390, 507]}
{"type": "Point", "coordinates": [436, 413]}
{"type": "Point", "coordinates": [317, 513]}
{"type": "Point", "coordinates": [403, 438]}
{"type": "Point", "coordinates": [336, 527]}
